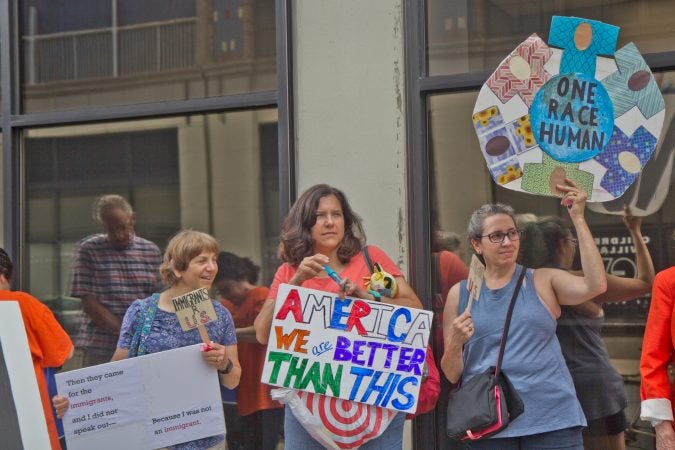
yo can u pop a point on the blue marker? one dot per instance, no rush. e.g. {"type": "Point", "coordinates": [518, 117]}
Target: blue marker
{"type": "Point", "coordinates": [331, 273]}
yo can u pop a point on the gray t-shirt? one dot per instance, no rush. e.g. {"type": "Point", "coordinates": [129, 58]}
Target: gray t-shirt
{"type": "Point", "coordinates": [599, 386]}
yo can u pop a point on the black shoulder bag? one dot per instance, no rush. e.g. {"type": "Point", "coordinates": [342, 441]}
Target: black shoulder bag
{"type": "Point", "coordinates": [488, 402]}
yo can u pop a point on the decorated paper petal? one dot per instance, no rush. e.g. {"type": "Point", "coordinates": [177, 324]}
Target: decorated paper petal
{"type": "Point", "coordinates": [522, 73]}
{"type": "Point", "coordinates": [633, 84]}
{"type": "Point", "coordinates": [541, 178]}
{"type": "Point", "coordinates": [647, 194]}
{"type": "Point", "coordinates": [616, 157]}
{"type": "Point", "coordinates": [563, 32]}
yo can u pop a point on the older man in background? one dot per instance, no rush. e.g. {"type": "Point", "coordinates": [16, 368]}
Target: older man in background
{"type": "Point", "coordinates": [112, 270]}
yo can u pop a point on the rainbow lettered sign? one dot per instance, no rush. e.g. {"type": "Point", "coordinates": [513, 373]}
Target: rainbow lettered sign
{"type": "Point", "coordinates": [572, 108]}
{"type": "Point", "coordinates": [353, 349]}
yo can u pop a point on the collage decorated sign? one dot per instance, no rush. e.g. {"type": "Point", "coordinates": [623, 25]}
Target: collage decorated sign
{"type": "Point", "coordinates": [358, 350]}
{"type": "Point", "coordinates": [575, 107]}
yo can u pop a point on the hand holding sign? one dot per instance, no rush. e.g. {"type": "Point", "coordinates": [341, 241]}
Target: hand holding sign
{"type": "Point", "coordinates": [573, 197]}
{"type": "Point", "coordinates": [215, 355]}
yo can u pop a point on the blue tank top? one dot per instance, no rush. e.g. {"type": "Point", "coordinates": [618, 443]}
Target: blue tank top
{"type": "Point", "coordinates": [532, 360]}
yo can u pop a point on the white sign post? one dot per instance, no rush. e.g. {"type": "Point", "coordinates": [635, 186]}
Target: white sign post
{"type": "Point", "coordinates": [358, 350]}
{"type": "Point", "coordinates": [25, 396]}
{"type": "Point", "coordinates": [146, 402]}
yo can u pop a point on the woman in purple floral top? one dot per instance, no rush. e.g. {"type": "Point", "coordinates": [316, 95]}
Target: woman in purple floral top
{"type": "Point", "coordinates": [189, 264]}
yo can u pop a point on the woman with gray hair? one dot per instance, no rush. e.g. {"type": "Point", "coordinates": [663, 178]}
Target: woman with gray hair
{"type": "Point", "coordinates": [532, 357]}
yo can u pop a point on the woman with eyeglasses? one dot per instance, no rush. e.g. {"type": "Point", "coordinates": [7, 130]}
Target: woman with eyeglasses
{"type": "Point", "coordinates": [552, 417]}
{"type": "Point", "coordinates": [548, 242]}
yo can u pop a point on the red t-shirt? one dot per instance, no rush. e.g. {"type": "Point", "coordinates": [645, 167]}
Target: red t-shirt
{"type": "Point", "coordinates": [49, 347]}
{"type": "Point", "coordinates": [252, 394]}
{"type": "Point", "coordinates": [451, 270]}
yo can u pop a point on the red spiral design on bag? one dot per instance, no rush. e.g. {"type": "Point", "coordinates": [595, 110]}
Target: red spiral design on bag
{"type": "Point", "coordinates": [351, 424]}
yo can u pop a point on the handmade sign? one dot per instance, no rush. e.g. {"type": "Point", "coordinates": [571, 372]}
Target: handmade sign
{"type": "Point", "coordinates": [22, 418]}
{"type": "Point", "coordinates": [138, 403]}
{"type": "Point", "coordinates": [194, 310]}
{"type": "Point", "coordinates": [573, 108]}
{"type": "Point", "coordinates": [474, 282]}
{"type": "Point", "coordinates": [353, 349]}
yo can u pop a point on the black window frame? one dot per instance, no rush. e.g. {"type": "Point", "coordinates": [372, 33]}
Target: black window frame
{"type": "Point", "coordinates": [419, 87]}
{"type": "Point", "coordinates": [14, 123]}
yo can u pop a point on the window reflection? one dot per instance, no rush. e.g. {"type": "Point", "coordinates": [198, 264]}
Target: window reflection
{"type": "Point", "coordinates": [216, 173]}
{"type": "Point", "coordinates": [106, 52]}
{"type": "Point", "coordinates": [474, 36]}
{"type": "Point", "coordinates": [460, 183]}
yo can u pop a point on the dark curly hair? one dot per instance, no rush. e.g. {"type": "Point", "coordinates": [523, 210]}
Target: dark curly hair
{"type": "Point", "coordinates": [540, 242]}
{"type": "Point", "coordinates": [236, 268]}
{"type": "Point", "coordinates": [296, 239]}
{"type": "Point", "coordinates": [6, 264]}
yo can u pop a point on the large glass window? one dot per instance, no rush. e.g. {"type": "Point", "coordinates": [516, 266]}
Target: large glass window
{"type": "Point", "coordinates": [111, 52]}
{"type": "Point", "coordinates": [474, 36]}
{"type": "Point", "coordinates": [216, 173]}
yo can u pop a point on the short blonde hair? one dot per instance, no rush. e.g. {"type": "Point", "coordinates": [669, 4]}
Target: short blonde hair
{"type": "Point", "coordinates": [182, 248]}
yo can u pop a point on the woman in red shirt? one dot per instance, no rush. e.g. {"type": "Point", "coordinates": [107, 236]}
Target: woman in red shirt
{"type": "Point", "coordinates": [321, 229]}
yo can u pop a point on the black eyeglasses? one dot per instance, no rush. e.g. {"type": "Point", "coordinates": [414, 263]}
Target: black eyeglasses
{"type": "Point", "coordinates": [498, 236]}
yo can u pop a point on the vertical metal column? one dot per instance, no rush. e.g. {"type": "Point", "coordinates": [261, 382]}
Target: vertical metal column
{"type": "Point", "coordinates": [286, 123]}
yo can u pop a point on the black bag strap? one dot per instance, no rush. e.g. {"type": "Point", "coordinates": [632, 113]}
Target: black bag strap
{"type": "Point", "coordinates": [366, 256]}
{"type": "Point", "coordinates": [507, 322]}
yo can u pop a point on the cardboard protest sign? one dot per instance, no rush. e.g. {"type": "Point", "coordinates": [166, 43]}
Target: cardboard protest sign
{"type": "Point", "coordinates": [474, 282]}
{"type": "Point", "coordinates": [573, 108]}
{"type": "Point", "coordinates": [353, 349]}
{"type": "Point", "coordinates": [137, 403]}
{"type": "Point", "coordinates": [194, 310]}
{"type": "Point", "coordinates": [22, 418]}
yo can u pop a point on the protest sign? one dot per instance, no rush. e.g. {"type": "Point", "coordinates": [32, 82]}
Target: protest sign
{"type": "Point", "coordinates": [22, 418]}
{"type": "Point", "coordinates": [146, 402]}
{"type": "Point", "coordinates": [573, 108]}
{"type": "Point", "coordinates": [353, 349]}
{"type": "Point", "coordinates": [194, 310]}
{"type": "Point", "coordinates": [474, 282]}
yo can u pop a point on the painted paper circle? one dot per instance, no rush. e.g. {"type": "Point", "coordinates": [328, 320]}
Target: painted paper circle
{"type": "Point", "coordinates": [519, 67]}
{"type": "Point", "coordinates": [572, 117]}
{"type": "Point", "coordinates": [639, 80]}
{"type": "Point", "coordinates": [583, 36]}
{"type": "Point", "coordinates": [629, 162]}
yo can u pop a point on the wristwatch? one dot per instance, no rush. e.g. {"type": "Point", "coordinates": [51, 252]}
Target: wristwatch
{"type": "Point", "coordinates": [228, 367]}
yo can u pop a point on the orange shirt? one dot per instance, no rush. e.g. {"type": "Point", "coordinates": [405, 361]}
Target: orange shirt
{"type": "Point", "coordinates": [49, 346]}
{"type": "Point", "coordinates": [252, 394]}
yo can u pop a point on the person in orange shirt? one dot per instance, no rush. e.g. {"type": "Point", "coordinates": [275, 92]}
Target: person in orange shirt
{"type": "Point", "coordinates": [261, 418]}
{"type": "Point", "coordinates": [49, 344]}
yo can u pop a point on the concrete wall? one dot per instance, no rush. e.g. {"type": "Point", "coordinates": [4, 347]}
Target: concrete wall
{"type": "Point", "coordinates": [349, 106]}
{"type": "Point", "coordinates": [349, 94]}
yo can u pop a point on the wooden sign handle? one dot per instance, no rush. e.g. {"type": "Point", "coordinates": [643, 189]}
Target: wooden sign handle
{"type": "Point", "coordinates": [204, 335]}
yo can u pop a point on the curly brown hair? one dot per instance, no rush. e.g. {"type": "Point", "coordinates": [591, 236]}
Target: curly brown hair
{"type": "Point", "coordinates": [296, 239]}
